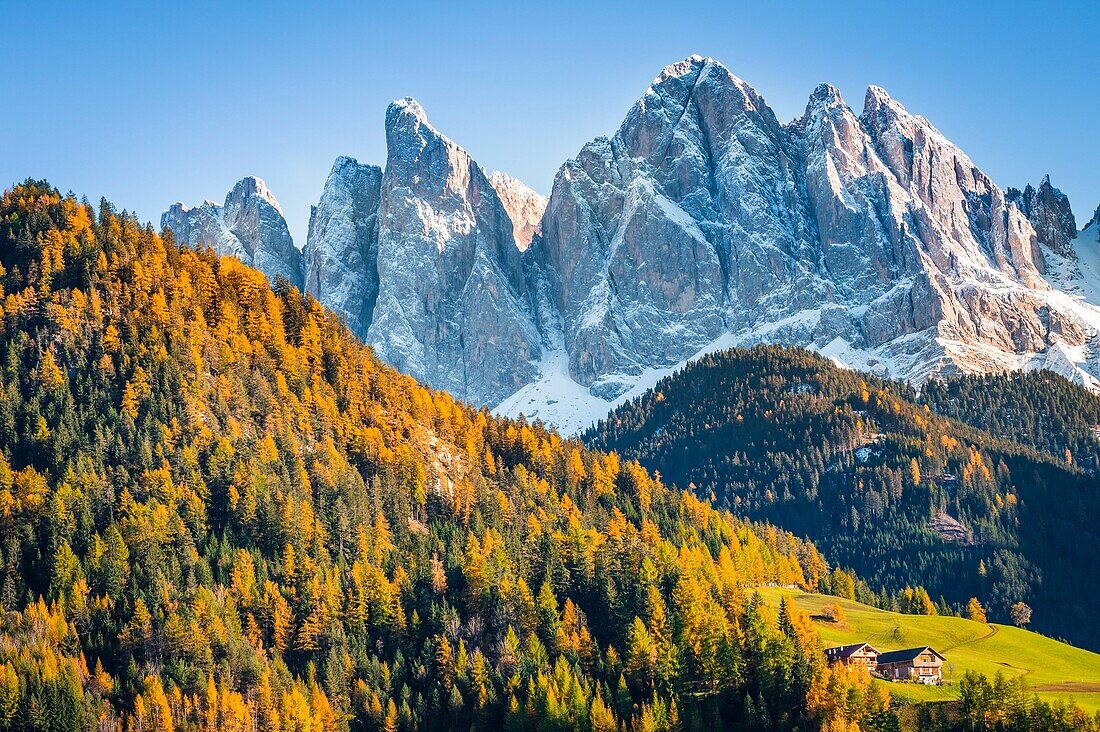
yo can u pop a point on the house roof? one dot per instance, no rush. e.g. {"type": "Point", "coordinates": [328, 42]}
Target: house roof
{"type": "Point", "coordinates": [848, 650]}
{"type": "Point", "coordinates": [907, 654]}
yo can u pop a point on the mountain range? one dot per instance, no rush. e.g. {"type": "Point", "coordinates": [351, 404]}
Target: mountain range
{"type": "Point", "coordinates": [704, 222]}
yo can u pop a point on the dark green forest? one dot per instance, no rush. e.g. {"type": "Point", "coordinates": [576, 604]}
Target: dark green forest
{"type": "Point", "coordinates": [884, 483]}
{"type": "Point", "coordinates": [1036, 408]}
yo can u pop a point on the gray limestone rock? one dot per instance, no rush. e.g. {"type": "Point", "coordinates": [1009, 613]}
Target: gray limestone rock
{"type": "Point", "coordinates": [1050, 214]}
{"type": "Point", "coordinates": [250, 226]}
{"type": "Point", "coordinates": [341, 253]}
{"type": "Point", "coordinates": [452, 306]}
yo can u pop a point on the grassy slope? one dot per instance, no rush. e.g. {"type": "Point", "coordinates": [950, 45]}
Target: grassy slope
{"type": "Point", "coordinates": [1055, 670]}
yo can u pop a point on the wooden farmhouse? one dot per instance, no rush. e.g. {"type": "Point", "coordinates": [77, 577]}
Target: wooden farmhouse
{"type": "Point", "coordinates": [856, 654]}
{"type": "Point", "coordinates": [923, 665]}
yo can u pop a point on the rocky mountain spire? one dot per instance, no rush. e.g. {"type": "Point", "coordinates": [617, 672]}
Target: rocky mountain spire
{"type": "Point", "coordinates": [1050, 214]}
{"type": "Point", "coordinates": [687, 221]}
{"type": "Point", "coordinates": [250, 226]}
{"type": "Point", "coordinates": [341, 253]}
{"type": "Point", "coordinates": [962, 217]}
{"type": "Point", "coordinates": [452, 306]}
{"type": "Point", "coordinates": [524, 206]}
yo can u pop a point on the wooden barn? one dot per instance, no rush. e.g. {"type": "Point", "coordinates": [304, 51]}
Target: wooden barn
{"type": "Point", "coordinates": [856, 654]}
{"type": "Point", "coordinates": [923, 665]}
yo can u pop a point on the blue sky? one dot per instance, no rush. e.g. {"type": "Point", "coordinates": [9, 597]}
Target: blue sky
{"type": "Point", "coordinates": [148, 103]}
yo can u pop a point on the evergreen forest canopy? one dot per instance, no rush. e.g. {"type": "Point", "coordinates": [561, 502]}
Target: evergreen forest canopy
{"type": "Point", "coordinates": [1036, 408]}
{"type": "Point", "coordinates": [219, 511]}
{"type": "Point", "coordinates": [892, 486]}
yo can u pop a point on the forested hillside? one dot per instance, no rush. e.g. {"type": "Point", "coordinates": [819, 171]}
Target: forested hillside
{"type": "Point", "coordinates": [881, 482]}
{"type": "Point", "coordinates": [219, 511]}
{"type": "Point", "coordinates": [1036, 408]}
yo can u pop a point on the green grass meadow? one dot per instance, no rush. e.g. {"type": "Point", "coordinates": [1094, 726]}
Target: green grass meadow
{"type": "Point", "coordinates": [1052, 669]}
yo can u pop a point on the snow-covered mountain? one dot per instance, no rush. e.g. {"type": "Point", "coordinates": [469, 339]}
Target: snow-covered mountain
{"type": "Point", "coordinates": [703, 222]}
{"type": "Point", "coordinates": [250, 226]}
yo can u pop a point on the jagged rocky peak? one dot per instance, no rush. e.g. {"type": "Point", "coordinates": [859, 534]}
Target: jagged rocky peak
{"type": "Point", "coordinates": [199, 226]}
{"type": "Point", "coordinates": [249, 188]}
{"type": "Point", "coordinates": [341, 252]}
{"type": "Point", "coordinates": [969, 223]}
{"type": "Point", "coordinates": [452, 307]}
{"type": "Point", "coordinates": [862, 255]}
{"type": "Point", "coordinates": [687, 220]}
{"type": "Point", "coordinates": [704, 222]}
{"type": "Point", "coordinates": [1094, 221]}
{"type": "Point", "coordinates": [249, 226]}
{"type": "Point", "coordinates": [1089, 235]}
{"type": "Point", "coordinates": [254, 216]}
{"type": "Point", "coordinates": [1049, 212]}
{"type": "Point", "coordinates": [525, 207]}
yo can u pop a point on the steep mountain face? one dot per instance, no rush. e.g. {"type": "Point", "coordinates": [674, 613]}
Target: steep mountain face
{"type": "Point", "coordinates": [687, 220]}
{"type": "Point", "coordinates": [452, 306]}
{"type": "Point", "coordinates": [423, 262]}
{"type": "Point", "coordinates": [702, 223]}
{"type": "Point", "coordinates": [951, 274]}
{"type": "Point", "coordinates": [1049, 212]}
{"type": "Point", "coordinates": [250, 226]}
{"type": "Point", "coordinates": [873, 239]}
{"type": "Point", "coordinates": [341, 252]}
{"type": "Point", "coordinates": [525, 207]}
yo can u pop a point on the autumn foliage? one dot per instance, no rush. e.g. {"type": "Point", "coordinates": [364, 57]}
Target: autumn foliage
{"type": "Point", "coordinates": [219, 511]}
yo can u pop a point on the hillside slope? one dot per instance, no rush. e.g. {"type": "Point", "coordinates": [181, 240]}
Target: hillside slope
{"type": "Point", "coordinates": [220, 511]}
{"type": "Point", "coordinates": [1053, 670]}
{"type": "Point", "coordinates": [1036, 408]}
{"type": "Point", "coordinates": [882, 483]}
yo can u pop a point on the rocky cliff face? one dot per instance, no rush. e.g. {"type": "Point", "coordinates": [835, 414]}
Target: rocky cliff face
{"type": "Point", "coordinates": [523, 205]}
{"type": "Point", "coordinates": [1049, 212]}
{"type": "Point", "coordinates": [452, 306]}
{"type": "Point", "coordinates": [250, 226]}
{"type": "Point", "coordinates": [704, 216]}
{"type": "Point", "coordinates": [341, 252]}
{"type": "Point", "coordinates": [686, 222]}
{"type": "Point", "coordinates": [703, 222]}
{"type": "Point", "coordinates": [422, 261]}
